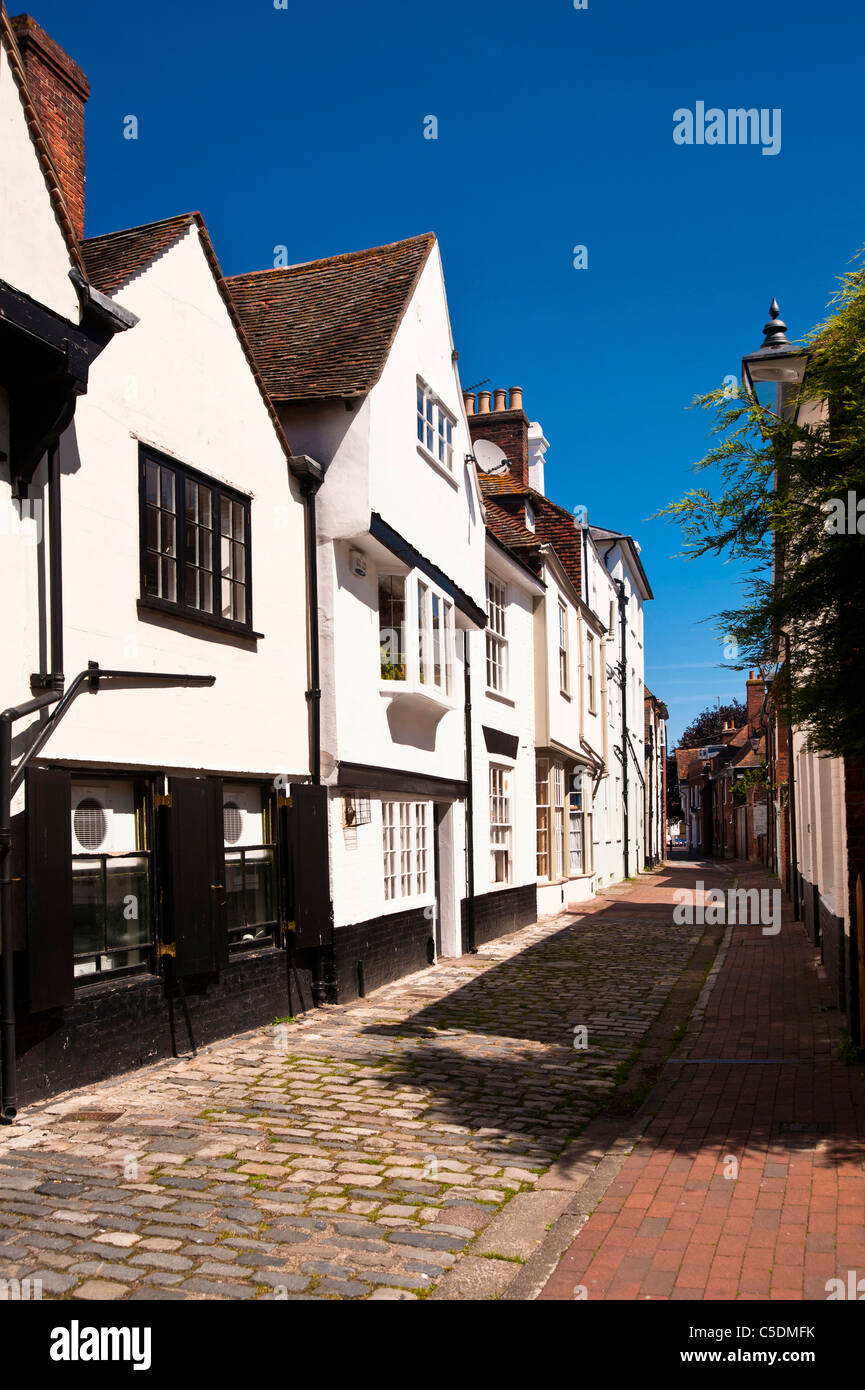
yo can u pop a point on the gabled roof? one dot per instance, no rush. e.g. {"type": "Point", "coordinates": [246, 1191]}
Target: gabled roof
{"type": "Point", "coordinates": [324, 329]}
{"type": "Point", "coordinates": [684, 758]}
{"type": "Point", "coordinates": [40, 141]}
{"type": "Point", "coordinates": [114, 259]}
{"type": "Point", "coordinates": [605, 533]}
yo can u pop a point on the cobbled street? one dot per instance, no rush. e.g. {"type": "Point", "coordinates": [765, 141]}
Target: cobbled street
{"type": "Point", "coordinates": [399, 1147]}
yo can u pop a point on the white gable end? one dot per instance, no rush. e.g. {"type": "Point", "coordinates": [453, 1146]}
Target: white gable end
{"type": "Point", "coordinates": [34, 257]}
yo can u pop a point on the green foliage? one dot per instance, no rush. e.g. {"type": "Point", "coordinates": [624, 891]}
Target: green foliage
{"type": "Point", "coordinates": [708, 726]}
{"type": "Point", "coordinates": [781, 480]}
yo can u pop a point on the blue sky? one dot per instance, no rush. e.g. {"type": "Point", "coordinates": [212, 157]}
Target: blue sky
{"type": "Point", "coordinates": [303, 127]}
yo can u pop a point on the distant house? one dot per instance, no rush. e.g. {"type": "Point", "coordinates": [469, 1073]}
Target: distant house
{"type": "Point", "coordinates": [589, 740]}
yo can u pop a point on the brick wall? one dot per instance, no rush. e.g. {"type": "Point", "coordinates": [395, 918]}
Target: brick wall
{"type": "Point", "coordinates": [389, 948]}
{"type": "Point", "coordinates": [125, 1023]}
{"type": "Point", "coordinates": [497, 914]}
{"type": "Point", "coordinates": [59, 91]}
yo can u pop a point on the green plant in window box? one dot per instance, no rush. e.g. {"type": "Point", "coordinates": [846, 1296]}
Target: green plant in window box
{"type": "Point", "coordinates": [392, 670]}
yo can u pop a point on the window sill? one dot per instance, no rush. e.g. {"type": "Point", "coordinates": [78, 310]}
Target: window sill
{"type": "Point", "coordinates": [502, 699]}
{"type": "Point", "coordinates": [149, 604]}
{"type": "Point", "coordinates": [439, 467]}
{"type": "Point", "coordinates": [420, 697]}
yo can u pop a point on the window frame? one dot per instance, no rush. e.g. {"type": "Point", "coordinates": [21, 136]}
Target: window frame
{"type": "Point", "coordinates": [269, 817]}
{"type": "Point", "coordinates": [144, 836]}
{"type": "Point", "coordinates": [564, 648]}
{"type": "Point", "coordinates": [501, 801]}
{"type": "Point", "coordinates": [219, 490]}
{"type": "Point", "coordinates": [542, 825]}
{"type": "Point", "coordinates": [591, 674]}
{"type": "Point", "coordinates": [496, 634]}
{"type": "Point", "coordinates": [433, 420]}
{"type": "Point", "coordinates": [407, 851]}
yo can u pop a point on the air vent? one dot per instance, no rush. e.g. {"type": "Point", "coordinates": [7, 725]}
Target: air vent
{"type": "Point", "coordinates": [232, 822]}
{"type": "Point", "coordinates": [90, 824]}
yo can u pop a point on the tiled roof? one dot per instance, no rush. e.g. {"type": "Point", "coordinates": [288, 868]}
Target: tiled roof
{"type": "Point", "coordinates": [504, 498]}
{"type": "Point", "coordinates": [684, 758]}
{"type": "Point", "coordinates": [324, 329]}
{"type": "Point", "coordinates": [112, 260]}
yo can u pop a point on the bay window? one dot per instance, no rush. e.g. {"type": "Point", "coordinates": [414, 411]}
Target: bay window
{"type": "Point", "coordinates": [416, 636]}
{"type": "Point", "coordinates": [542, 777]}
{"type": "Point", "coordinates": [579, 835]}
{"type": "Point", "coordinates": [391, 620]}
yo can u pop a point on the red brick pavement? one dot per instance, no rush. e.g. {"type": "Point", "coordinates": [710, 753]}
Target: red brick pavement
{"type": "Point", "coordinates": [672, 1225]}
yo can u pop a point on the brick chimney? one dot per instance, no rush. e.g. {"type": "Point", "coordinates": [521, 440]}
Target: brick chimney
{"type": "Point", "coordinates": [506, 427]}
{"type": "Point", "coordinates": [59, 91]}
{"type": "Point", "coordinates": [755, 689]}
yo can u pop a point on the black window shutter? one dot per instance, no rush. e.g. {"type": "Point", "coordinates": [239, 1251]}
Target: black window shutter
{"type": "Point", "coordinates": [49, 888]}
{"type": "Point", "coordinates": [310, 863]}
{"type": "Point", "coordinates": [285, 858]}
{"type": "Point", "coordinates": [194, 911]}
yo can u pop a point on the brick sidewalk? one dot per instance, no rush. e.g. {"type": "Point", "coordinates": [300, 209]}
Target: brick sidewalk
{"type": "Point", "coordinates": [764, 1089]}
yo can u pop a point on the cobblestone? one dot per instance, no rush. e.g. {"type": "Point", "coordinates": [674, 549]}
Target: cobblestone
{"type": "Point", "coordinates": [362, 1163]}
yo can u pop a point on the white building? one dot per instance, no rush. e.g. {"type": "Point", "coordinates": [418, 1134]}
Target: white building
{"type": "Point", "coordinates": [590, 803]}
{"type": "Point", "coordinates": [145, 824]}
{"type": "Point", "coordinates": [358, 358]}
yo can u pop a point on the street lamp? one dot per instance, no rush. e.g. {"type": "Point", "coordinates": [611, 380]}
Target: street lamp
{"type": "Point", "coordinates": [777, 360]}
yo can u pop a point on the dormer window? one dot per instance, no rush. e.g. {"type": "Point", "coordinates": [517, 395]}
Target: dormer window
{"type": "Point", "coordinates": [530, 518]}
{"type": "Point", "coordinates": [435, 427]}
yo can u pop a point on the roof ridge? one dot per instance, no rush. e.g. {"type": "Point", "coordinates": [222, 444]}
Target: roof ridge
{"type": "Point", "coordinates": [181, 218]}
{"type": "Point", "coordinates": [332, 260]}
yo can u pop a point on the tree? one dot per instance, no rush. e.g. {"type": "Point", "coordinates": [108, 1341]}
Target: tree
{"type": "Point", "coordinates": [708, 726]}
{"type": "Point", "coordinates": [789, 507]}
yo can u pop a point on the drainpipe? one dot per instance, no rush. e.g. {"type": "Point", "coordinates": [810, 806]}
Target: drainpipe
{"type": "Point", "coordinates": [470, 802]}
{"type": "Point", "coordinates": [620, 589]}
{"type": "Point", "coordinates": [310, 477]}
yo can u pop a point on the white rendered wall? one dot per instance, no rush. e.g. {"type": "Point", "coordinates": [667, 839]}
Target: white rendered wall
{"type": "Point", "coordinates": [179, 381]}
{"type": "Point", "coordinates": [34, 257]}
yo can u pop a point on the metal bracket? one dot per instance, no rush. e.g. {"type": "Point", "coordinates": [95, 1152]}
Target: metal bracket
{"type": "Point", "coordinates": [162, 798]}
{"type": "Point", "coordinates": [167, 949]}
